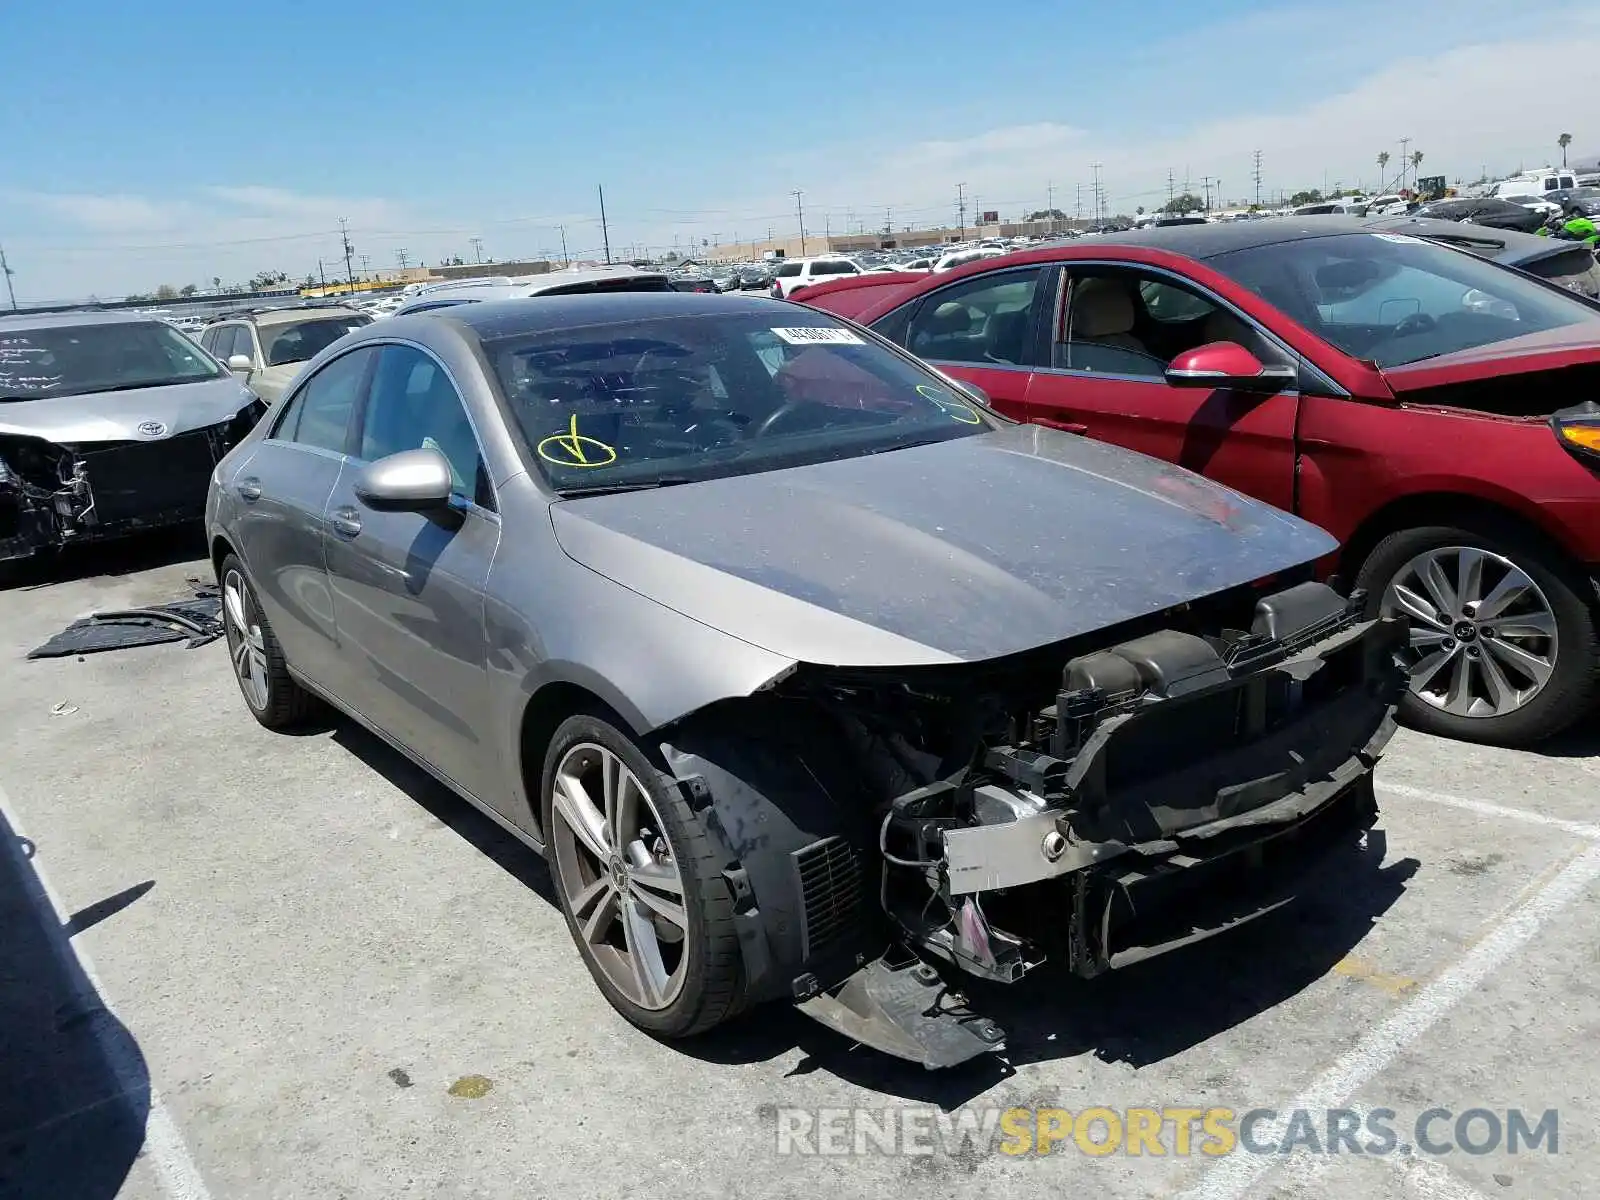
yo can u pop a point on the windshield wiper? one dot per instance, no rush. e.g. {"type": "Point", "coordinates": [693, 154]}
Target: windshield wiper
{"type": "Point", "coordinates": [607, 489]}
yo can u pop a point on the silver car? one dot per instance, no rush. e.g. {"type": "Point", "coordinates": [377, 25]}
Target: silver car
{"type": "Point", "coordinates": [110, 423]}
{"type": "Point", "coordinates": [812, 677]}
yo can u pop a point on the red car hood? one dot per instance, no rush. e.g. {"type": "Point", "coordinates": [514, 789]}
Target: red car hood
{"type": "Point", "coordinates": [1554, 348]}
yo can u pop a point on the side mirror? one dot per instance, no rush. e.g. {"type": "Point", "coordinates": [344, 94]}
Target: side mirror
{"type": "Point", "coordinates": [240, 362]}
{"type": "Point", "coordinates": [410, 481]}
{"type": "Point", "coordinates": [1226, 365]}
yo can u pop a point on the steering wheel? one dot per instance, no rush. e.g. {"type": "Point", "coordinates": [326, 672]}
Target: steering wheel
{"type": "Point", "coordinates": [1417, 322]}
{"type": "Point", "coordinates": [778, 415]}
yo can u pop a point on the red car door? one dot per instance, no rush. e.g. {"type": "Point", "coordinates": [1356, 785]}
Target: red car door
{"type": "Point", "coordinates": [1117, 329]}
{"type": "Point", "coordinates": [983, 328]}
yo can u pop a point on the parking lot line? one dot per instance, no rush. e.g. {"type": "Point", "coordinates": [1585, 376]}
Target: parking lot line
{"type": "Point", "coordinates": [1483, 808]}
{"type": "Point", "coordinates": [1233, 1176]}
{"type": "Point", "coordinates": [176, 1172]}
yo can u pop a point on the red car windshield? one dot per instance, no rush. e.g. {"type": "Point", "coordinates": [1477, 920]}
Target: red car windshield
{"type": "Point", "coordinates": [1392, 299]}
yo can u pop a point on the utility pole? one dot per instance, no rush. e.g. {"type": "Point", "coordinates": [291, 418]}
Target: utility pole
{"type": "Point", "coordinates": [1258, 179]}
{"type": "Point", "coordinates": [565, 261]}
{"type": "Point", "coordinates": [961, 209]}
{"type": "Point", "coordinates": [344, 235]}
{"type": "Point", "coordinates": [1205, 181]}
{"type": "Point", "coordinates": [403, 257]}
{"type": "Point", "coordinates": [800, 213]}
{"type": "Point", "coordinates": [5, 269]}
{"type": "Point", "coordinates": [1404, 142]}
{"type": "Point", "coordinates": [324, 275]}
{"type": "Point", "coordinates": [1099, 196]}
{"type": "Point", "coordinates": [605, 231]}
{"type": "Point", "coordinates": [477, 249]}
{"type": "Point", "coordinates": [1171, 184]}
{"type": "Point", "coordinates": [1078, 212]}
{"type": "Point", "coordinates": [364, 261]}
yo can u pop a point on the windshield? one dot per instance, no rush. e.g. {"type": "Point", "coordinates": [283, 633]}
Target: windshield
{"type": "Point", "coordinates": [1392, 299]}
{"type": "Point", "coordinates": [676, 399]}
{"type": "Point", "coordinates": [70, 360]}
{"type": "Point", "coordinates": [296, 343]}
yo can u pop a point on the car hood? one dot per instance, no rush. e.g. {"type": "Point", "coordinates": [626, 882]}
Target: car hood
{"type": "Point", "coordinates": [959, 551]}
{"type": "Point", "coordinates": [1565, 346]}
{"type": "Point", "coordinates": [129, 415]}
{"type": "Point", "coordinates": [271, 382]}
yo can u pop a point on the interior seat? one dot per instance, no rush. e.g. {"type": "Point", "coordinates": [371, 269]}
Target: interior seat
{"type": "Point", "coordinates": [1100, 333]}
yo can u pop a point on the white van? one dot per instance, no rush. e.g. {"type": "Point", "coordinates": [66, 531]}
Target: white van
{"type": "Point", "coordinates": [1536, 183]}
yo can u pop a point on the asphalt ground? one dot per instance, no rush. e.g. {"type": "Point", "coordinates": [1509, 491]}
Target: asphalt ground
{"type": "Point", "coordinates": [239, 964]}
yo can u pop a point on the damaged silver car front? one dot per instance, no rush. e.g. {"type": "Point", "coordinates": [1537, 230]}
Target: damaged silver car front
{"type": "Point", "coordinates": [109, 424]}
{"type": "Point", "coordinates": [1087, 805]}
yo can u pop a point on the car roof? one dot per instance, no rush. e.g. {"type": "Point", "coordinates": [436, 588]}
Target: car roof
{"type": "Point", "coordinates": [66, 320]}
{"type": "Point", "coordinates": [280, 316]}
{"type": "Point", "coordinates": [508, 318]}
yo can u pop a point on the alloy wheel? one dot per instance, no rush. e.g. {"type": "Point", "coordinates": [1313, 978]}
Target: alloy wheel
{"type": "Point", "coordinates": [619, 875]}
{"type": "Point", "coordinates": [246, 645]}
{"type": "Point", "coordinates": [1483, 634]}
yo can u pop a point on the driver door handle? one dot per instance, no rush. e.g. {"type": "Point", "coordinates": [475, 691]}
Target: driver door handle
{"type": "Point", "coordinates": [1064, 426]}
{"type": "Point", "coordinates": [346, 521]}
{"type": "Point", "coordinates": [249, 489]}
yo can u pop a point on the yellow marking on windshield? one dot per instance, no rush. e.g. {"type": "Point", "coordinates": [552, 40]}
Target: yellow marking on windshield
{"type": "Point", "coordinates": [571, 446]}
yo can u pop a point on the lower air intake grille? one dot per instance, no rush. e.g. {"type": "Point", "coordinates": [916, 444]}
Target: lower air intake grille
{"type": "Point", "coordinates": [830, 887]}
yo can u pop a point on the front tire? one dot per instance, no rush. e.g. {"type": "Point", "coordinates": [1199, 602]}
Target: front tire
{"type": "Point", "coordinates": [639, 882]}
{"type": "Point", "coordinates": [270, 692]}
{"type": "Point", "coordinates": [1504, 647]}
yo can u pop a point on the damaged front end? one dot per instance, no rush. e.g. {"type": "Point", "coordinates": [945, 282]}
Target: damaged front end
{"type": "Point", "coordinates": [1090, 804]}
{"type": "Point", "coordinates": [55, 494]}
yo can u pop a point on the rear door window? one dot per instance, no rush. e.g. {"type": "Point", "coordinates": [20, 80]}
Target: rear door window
{"type": "Point", "coordinates": [986, 319]}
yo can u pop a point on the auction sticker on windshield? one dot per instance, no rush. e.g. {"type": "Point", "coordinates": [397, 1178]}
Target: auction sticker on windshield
{"type": "Point", "coordinates": [820, 335]}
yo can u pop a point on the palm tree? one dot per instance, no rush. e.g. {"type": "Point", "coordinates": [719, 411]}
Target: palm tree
{"type": "Point", "coordinates": [1416, 166]}
{"type": "Point", "coordinates": [1564, 141]}
{"type": "Point", "coordinates": [1383, 165]}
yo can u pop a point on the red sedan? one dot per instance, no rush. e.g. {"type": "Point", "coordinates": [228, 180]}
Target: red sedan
{"type": "Point", "coordinates": [1434, 411]}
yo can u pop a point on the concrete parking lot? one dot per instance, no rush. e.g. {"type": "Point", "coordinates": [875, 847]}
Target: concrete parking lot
{"type": "Point", "coordinates": [238, 964]}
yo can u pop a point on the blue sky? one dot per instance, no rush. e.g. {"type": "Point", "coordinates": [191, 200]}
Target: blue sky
{"type": "Point", "coordinates": [143, 149]}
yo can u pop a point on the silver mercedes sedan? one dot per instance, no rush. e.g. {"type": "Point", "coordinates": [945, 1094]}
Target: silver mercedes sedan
{"type": "Point", "coordinates": [812, 677]}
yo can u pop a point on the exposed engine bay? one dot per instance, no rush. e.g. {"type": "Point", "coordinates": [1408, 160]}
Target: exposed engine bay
{"type": "Point", "coordinates": [54, 494]}
{"type": "Point", "coordinates": [1066, 805]}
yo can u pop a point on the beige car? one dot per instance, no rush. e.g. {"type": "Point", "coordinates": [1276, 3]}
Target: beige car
{"type": "Point", "coordinates": [265, 348]}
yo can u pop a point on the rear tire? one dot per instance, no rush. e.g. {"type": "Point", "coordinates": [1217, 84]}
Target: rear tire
{"type": "Point", "coordinates": [259, 667]}
{"type": "Point", "coordinates": [673, 977]}
{"type": "Point", "coordinates": [1524, 612]}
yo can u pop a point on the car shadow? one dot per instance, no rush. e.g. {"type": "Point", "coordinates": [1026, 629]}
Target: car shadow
{"type": "Point", "coordinates": [76, 1092]}
{"type": "Point", "coordinates": [1581, 740]}
{"type": "Point", "coordinates": [449, 809]}
{"type": "Point", "coordinates": [120, 556]}
{"type": "Point", "coordinates": [1139, 1015]}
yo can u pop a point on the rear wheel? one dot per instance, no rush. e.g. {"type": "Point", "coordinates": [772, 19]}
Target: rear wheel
{"type": "Point", "coordinates": [270, 692]}
{"type": "Point", "coordinates": [1503, 640]}
{"type": "Point", "coordinates": [639, 883]}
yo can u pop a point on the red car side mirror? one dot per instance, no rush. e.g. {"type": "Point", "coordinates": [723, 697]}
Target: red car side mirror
{"type": "Point", "coordinates": [1226, 365]}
